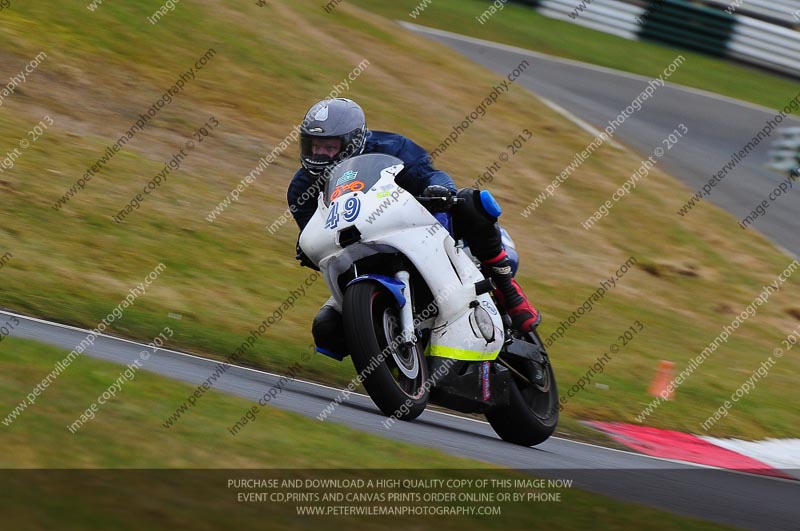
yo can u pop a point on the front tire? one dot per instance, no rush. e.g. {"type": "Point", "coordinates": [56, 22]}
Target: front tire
{"type": "Point", "coordinates": [532, 414]}
{"type": "Point", "coordinates": [393, 375]}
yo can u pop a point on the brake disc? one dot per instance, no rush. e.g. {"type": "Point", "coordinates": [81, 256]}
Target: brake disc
{"type": "Point", "coordinates": [409, 365]}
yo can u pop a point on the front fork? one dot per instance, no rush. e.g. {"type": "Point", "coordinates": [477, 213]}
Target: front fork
{"type": "Point", "coordinates": [407, 310]}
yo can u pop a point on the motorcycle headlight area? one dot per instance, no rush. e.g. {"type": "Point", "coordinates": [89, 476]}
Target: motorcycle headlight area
{"type": "Point", "coordinates": [481, 322]}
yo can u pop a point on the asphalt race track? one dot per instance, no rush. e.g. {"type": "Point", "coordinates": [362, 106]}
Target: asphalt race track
{"type": "Point", "coordinates": [741, 500]}
{"type": "Point", "coordinates": [717, 126]}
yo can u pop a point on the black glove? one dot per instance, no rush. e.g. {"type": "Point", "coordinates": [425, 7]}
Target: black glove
{"type": "Point", "coordinates": [303, 259]}
{"type": "Point", "coordinates": [437, 190]}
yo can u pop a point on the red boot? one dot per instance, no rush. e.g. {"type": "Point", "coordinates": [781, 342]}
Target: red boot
{"type": "Point", "coordinates": [524, 316]}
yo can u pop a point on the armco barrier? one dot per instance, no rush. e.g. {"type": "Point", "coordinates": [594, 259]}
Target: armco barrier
{"type": "Point", "coordinates": [685, 25]}
{"type": "Point", "coordinates": [776, 11]}
{"type": "Point", "coordinates": [701, 26]}
{"type": "Point", "coordinates": [764, 44]}
{"type": "Point", "coordinates": [609, 16]}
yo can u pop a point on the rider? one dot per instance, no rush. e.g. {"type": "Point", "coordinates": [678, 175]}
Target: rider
{"type": "Point", "coordinates": [336, 129]}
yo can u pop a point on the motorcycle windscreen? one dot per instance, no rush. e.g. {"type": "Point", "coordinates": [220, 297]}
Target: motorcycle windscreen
{"type": "Point", "coordinates": [359, 173]}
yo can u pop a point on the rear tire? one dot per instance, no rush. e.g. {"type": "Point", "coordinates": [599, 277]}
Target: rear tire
{"type": "Point", "coordinates": [372, 326]}
{"type": "Point", "coordinates": [532, 414]}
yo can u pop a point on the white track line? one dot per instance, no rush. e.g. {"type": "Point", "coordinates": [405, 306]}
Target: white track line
{"type": "Point", "coordinates": [577, 121]}
{"type": "Point", "coordinates": [431, 411]}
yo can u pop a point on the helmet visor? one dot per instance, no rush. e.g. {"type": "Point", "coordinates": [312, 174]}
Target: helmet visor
{"type": "Point", "coordinates": [320, 150]}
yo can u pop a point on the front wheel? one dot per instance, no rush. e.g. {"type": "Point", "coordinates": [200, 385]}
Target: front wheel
{"type": "Point", "coordinates": [532, 413]}
{"type": "Point", "coordinates": [393, 374]}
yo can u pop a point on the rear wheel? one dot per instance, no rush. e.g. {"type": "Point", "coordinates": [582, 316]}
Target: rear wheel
{"type": "Point", "coordinates": [393, 374]}
{"type": "Point", "coordinates": [532, 414]}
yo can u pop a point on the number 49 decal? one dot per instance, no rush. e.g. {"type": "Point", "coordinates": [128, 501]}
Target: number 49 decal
{"type": "Point", "coordinates": [350, 211]}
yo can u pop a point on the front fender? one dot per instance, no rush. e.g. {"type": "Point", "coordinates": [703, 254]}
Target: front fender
{"type": "Point", "coordinates": [394, 286]}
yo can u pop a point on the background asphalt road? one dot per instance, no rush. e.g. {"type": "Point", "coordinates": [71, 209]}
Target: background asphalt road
{"type": "Point", "coordinates": [718, 127]}
{"type": "Point", "coordinates": [741, 500]}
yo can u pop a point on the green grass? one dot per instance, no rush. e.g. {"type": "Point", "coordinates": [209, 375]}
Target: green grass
{"type": "Point", "coordinates": [520, 25]}
{"type": "Point", "coordinates": [223, 279]}
{"type": "Point", "coordinates": [126, 433]}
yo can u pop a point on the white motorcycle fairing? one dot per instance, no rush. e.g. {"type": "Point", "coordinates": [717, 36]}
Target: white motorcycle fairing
{"type": "Point", "coordinates": [361, 221]}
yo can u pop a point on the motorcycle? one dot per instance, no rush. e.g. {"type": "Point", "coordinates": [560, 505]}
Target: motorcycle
{"type": "Point", "coordinates": [420, 320]}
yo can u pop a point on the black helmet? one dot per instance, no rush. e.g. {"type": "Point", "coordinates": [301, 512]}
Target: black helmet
{"type": "Point", "coordinates": [338, 118]}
